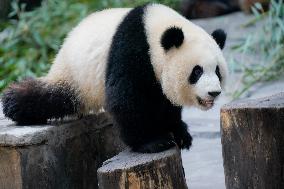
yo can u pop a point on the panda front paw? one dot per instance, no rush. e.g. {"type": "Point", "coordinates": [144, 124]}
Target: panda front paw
{"type": "Point", "coordinates": [156, 146]}
{"type": "Point", "coordinates": [183, 140]}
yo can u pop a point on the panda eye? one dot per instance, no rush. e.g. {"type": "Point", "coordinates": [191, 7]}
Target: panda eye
{"type": "Point", "coordinates": [195, 74]}
{"type": "Point", "coordinates": [217, 71]}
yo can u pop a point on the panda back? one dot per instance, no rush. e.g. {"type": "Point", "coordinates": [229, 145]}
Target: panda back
{"type": "Point", "coordinates": [83, 56]}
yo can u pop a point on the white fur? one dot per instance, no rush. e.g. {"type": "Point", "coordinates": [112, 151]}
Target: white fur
{"type": "Point", "coordinates": [82, 59]}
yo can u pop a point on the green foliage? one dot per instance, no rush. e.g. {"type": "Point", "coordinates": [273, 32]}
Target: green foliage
{"type": "Point", "coordinates": [266, 45]}
{"type": "Point", "coordinates": [31, 41]}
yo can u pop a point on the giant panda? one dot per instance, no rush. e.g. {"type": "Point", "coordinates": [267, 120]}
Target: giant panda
{"type": "Point", "coordinates": [141, 65]}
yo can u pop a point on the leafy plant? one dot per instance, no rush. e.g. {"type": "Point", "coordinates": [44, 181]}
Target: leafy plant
{"type": "Point", "coordinates": [267, 46]}
{"type": "Point", "coordinates": [31, 41]}
{"type": "Point", "coordinates": [28, 44]}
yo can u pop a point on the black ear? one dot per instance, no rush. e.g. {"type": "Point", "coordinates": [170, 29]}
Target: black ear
{"type": "Point", "coordinates": [220, 37]}
{"type": "Point", "coordinates": [172, 37]}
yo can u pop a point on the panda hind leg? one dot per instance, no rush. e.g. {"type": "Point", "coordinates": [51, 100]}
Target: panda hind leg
{"type": "Point", "coordinates": [34, 101]}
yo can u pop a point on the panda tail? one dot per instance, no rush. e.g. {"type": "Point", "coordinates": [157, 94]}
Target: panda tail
{"type": "Point", "coordinates": [34, 101]}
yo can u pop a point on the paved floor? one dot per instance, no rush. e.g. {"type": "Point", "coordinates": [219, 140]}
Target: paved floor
{"type": "Point", "coordinates": [203, 162]}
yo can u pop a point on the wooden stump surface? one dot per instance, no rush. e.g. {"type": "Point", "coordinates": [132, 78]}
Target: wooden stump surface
{"type": "Point", "coordinates": [130, 170]}
{"type": "Point", "coordinates": [253, 143]}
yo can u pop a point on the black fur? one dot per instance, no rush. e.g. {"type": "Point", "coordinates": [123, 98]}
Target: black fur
{"type": "Point", "coordinates": [33, 102]}
{"type": "Point", "coordinates": [172, 37]}
{"type": "Point", "coordinates": [196, 73]}
{"type": "Point", "coordinates": [147, 120]}
{"type": "Point", "coordinates": [217, 71]}
{"type": "Point", "coordinates": [220, 37]}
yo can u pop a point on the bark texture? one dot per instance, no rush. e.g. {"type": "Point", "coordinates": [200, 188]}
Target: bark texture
{"type": "Point", "coordinates": [253, 143]}
{"type": "Point", "coordinates": [62, 155]}
{"type": "Point", "coordinates": [130, 170]}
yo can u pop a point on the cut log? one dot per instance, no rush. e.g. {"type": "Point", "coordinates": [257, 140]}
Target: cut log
{"type": "Point", "coordinates": [253, 143]}
{"type": "Point", "coordinates": [60, 155]}
{"type": "Point", "coordinates": [129, 170]}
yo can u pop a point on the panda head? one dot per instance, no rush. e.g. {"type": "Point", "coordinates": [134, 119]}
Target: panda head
{"type": "Point", "coordinates": [194, 70]}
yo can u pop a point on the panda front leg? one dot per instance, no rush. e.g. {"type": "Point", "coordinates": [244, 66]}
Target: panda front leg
{"type": "Point", "coordinates": [146, 142]}
{"type": "Point", "coordinates": [142, 134]}
{"type": "Point", "coordinates": [182, 137]}
{"type": "Point", "coordinates": [139, 116]}
{"type": "Point", "coordinates": [150, 131]}
{"type": "Point", "coordinates": [175, 124]}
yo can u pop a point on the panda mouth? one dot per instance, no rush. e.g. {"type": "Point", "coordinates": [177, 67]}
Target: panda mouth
{"type": "Point", "coordinates": [205, 103]}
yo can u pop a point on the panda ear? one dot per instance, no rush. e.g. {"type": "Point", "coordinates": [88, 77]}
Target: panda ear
{"type": "Point", "coordinates": [220, 37]}
{"type": "Point", "coordinates": [173, 36]}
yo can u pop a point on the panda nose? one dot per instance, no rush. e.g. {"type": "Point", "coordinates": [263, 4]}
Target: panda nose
{"type": "Point", "coordinates": [214, 93]}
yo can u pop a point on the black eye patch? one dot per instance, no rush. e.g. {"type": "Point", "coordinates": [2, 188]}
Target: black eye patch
{"type": "Point", "coordinates": [196, 73]}
{"type": "Point", "coordinates": [217, 71]}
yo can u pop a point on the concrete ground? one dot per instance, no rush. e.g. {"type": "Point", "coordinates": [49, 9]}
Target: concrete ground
{"type": "Point", "coordinates": [203, 163]}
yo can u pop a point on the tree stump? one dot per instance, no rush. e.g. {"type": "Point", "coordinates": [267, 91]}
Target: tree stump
{"type": "Point", "coordinates": [129, 170]}
{"type": "Point", "coordinates": [60, 155]}
{"type": "Point", "coordinates": [253, 143]}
